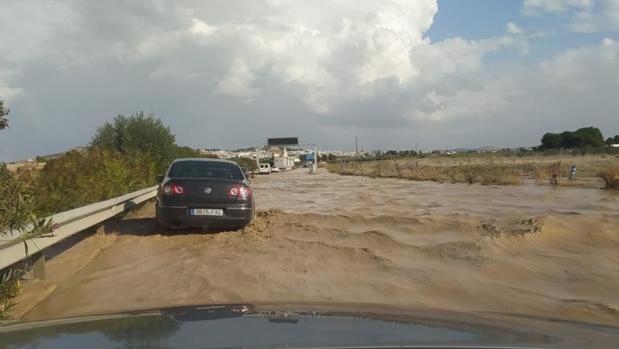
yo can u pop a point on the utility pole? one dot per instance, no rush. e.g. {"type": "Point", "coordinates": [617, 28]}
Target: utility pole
{"type": "Point", "coordinates": [560, 161]}
{"type": "Point", "coordinates": [314, 167]}
{"type": "Point", "coordinates": [257, 158]}
{"type": "Point", "coordinates": [356, 145]}
{"type": "Point", "coordinates": [315, 164]}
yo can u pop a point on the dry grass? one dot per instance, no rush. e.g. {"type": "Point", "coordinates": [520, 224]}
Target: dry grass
{"type": "Point", "coordinates": [610, 176]}
{"type": "Point", "coordinates": [470, 173]}
{"type": "Point", "coordinates": [484, 169]}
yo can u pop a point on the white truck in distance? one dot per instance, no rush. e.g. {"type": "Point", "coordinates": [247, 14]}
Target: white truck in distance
{"type": "Point", "coordinates": [264, 168]}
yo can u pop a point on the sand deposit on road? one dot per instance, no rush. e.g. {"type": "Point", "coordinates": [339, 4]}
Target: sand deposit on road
{"type": "Point", "coordinates": [527, 250]}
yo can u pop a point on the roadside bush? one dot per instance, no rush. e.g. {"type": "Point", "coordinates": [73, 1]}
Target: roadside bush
{"type": "Point", "coordinates": [80, 178]}
{"type": "Point", "coordinates": [10, 285]}
{"type": "Point", "coordinates": [17, 208]}
{"type": "Point", "coordinates": [184, 152]}
{"type": "Point", "coordinates": [610, 175]}
{"type": "Point", "coordinates": [17, 217]}
{"type": "Point", "coordinates": [248, 163]}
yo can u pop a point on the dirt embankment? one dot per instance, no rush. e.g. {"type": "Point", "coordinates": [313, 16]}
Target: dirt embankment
{"type": "Point", "coordinates": [327, 238]}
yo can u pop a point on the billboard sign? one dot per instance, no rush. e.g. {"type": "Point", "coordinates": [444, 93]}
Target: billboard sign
{"type": "Point", "coordinates": [283, 141]}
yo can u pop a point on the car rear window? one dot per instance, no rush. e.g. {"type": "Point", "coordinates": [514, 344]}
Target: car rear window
{"type": "Point", "coordinates": [205, 169]}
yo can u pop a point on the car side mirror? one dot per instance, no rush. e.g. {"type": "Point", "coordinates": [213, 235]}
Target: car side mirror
{"type": "Point", "coordinates": [159, 179]}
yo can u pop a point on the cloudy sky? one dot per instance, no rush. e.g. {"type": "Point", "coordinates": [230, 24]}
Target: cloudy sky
{"type": "Point", "coordinates": [228, 74]}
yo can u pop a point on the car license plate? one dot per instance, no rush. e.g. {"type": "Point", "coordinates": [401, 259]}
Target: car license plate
{"type": "Point", "coordinates": [207, 212]}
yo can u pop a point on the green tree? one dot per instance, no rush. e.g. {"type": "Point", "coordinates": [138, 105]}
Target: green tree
{"type": "Point", "coordinates": [583, 137]}
{"type": "Point", "coordinates": [586, 136]}
{"type": "Point", "coordinates": [612, 140]}
{"type": "Point", "coordinates": [4, 122]}
{"type": "Point", "coordinates": [552, 141]}
{"type": "Point", "coordinates": [138, 133]}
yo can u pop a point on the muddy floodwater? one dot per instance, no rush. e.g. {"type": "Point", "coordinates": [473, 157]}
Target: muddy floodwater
{"type": "Point", "coordinates": [327, 193]}
{"type": "Point", "coordinates": [527, 250]}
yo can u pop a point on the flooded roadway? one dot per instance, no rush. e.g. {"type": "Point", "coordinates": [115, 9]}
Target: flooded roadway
{"type": "Point", "coordinates": [527, 250]}
{"type": "Point", "coordinates": [327, 193]}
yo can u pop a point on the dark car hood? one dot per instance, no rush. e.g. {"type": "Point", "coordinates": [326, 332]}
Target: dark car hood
{"type": "Point", "coordinates": [267, 326]}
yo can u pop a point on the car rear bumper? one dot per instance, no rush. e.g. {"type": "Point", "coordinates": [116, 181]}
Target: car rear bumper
{"type": "Point", "coordinates": [235, 216]}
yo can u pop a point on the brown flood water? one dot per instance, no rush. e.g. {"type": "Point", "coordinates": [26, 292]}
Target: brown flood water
{"type": "Point", "coordinates": [327, 193]}
{"type": "Point", "coordinates": [528, 250]}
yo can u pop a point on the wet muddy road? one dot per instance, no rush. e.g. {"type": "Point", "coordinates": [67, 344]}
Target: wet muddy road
{"type": "Point", "coordinates": [528, 250]}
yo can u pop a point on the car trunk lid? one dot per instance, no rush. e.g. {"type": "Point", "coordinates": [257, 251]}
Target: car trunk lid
{"type": "Point", "coordinates": [200, 191]}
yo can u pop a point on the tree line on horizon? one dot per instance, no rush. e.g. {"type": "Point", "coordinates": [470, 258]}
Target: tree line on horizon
{"type": "Point", "coordinates": [586, 137]}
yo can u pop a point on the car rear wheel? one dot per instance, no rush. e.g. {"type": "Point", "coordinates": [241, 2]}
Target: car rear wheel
{"type": "Point", "coordinates": [161, 226]}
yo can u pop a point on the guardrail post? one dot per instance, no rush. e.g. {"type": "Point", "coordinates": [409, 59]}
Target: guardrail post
{"type": "Point", "coordinates": [100, 229]}
{"type": "Point", "coordinates": [39, 270]}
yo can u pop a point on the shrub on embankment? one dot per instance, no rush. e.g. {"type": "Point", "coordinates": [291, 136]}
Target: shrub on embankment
{"type": "Point", "coordinates": [79, 178]}
{"type": "Point", "coordinates": [17, 216]}
{"type": "Point", "coordinates": [610, 176]}
{"type": "Point", "coordinates": [247, 163]}
{"type": "Point", "coordinates": [124, 155]}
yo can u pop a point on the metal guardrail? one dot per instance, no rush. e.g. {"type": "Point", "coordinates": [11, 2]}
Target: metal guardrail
{"type": "Point", "coordinates": [69, 223]}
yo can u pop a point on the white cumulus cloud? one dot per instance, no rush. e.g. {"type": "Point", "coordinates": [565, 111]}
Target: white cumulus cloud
{"type": "Point", "coordinates": [327, 50]}
{"type": "Point", "coordinates": [537, 6]}
{"type": "Point", "coordinates": [588, 15]}
{"type": "Point", "coordinates": [201, 28]}
{"type": "Point", "coordinates": [513, 28]}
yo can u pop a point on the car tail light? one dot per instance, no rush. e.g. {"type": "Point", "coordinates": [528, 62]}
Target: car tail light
{"type": "Point", "coordinates": [173, 189]}
{"type": "Point", "coordinates": [244, 192]}
{"type": "Point", "coordinates": [239, 191]}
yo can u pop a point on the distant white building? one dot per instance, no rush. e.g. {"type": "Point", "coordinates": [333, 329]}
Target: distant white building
{"type": "Point", "coordinates": [283, 162]}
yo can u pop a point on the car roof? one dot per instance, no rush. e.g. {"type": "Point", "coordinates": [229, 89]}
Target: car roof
{"type": "Point", "coordinates": [205, 160]}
